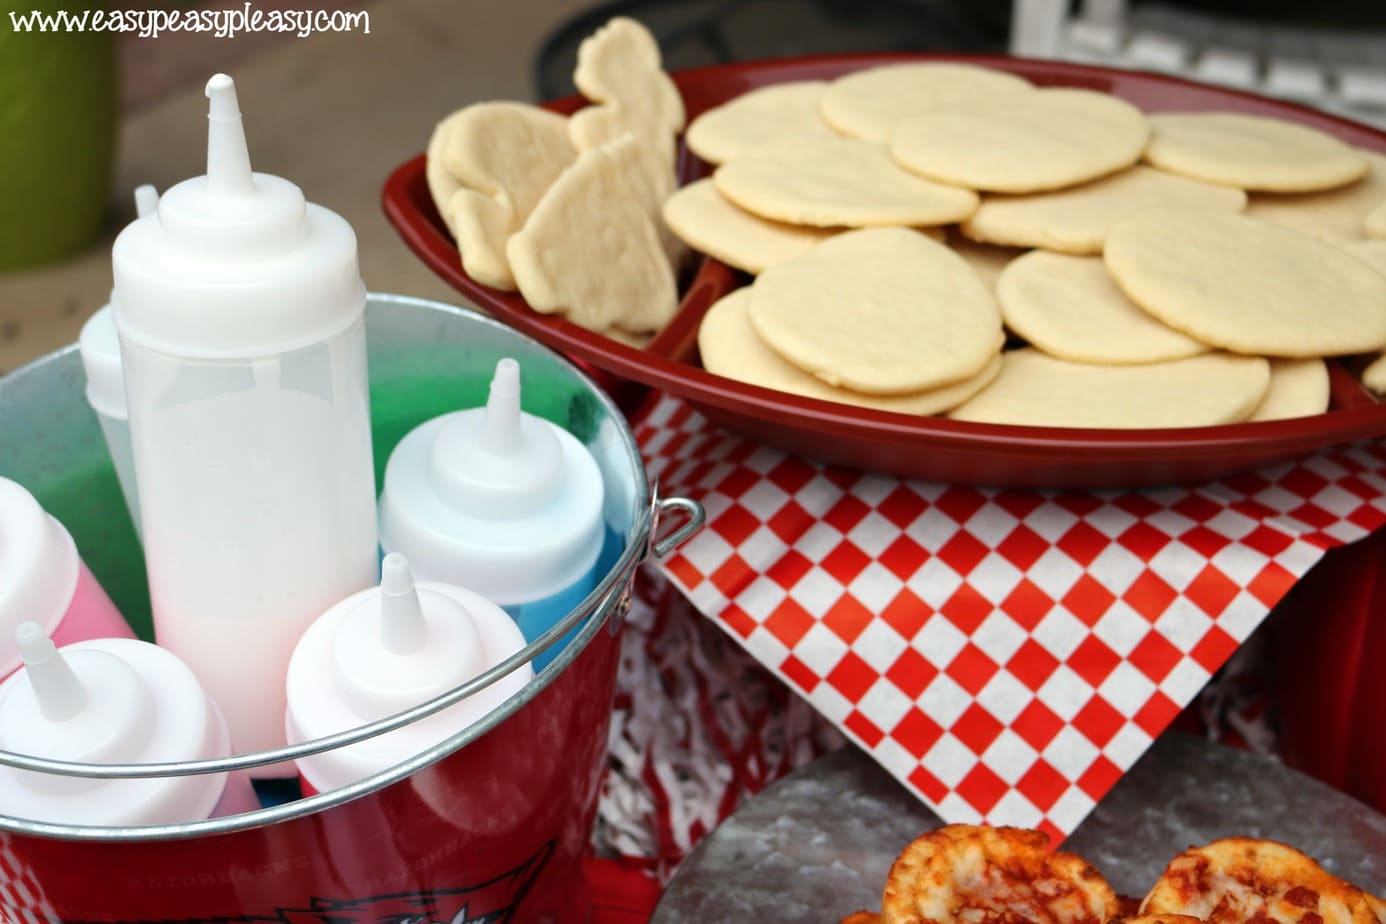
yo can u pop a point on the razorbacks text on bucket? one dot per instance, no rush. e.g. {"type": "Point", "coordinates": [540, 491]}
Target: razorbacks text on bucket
{"type": "Point", "coordinates": [492, 902]}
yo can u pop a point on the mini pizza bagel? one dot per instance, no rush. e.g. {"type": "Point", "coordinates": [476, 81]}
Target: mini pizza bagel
{"type": "Point", "coordinates": [1239, 880]}
{"type": "Point", "coordinates": [982, 875]}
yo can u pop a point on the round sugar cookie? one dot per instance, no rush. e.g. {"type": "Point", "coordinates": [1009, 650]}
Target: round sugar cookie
{"type": "Point", "coordinates": [1375, 222]}
{"type": "Point", "coordinates": [1038, 390]}
{"type": "Point", "coordinates": [1333, 214]}
{"type": "Point", "coordinates": [986, 260]}
{"type": "Point", "coordinates": [1076, 220]}
{"type": "Point", "coordinates": [1370, 252]}
{"type": "Point", "coordinates": [634, 341]}
{"type": "Point", "coordinates": [1047, 139]}
{"type": "Point", "coordinates": [868, 104]}
{"type": "Point", "coordinates": [704, 220]}
{"type": "Point", "coordinates": [1246, 285]}
{"type": "Point", "coordinates": [883, 311]}
{"type": "Point", "coordinates": [1298, 388]}
{"type": "Point", "coordinates": [1069, 307]}
{"type": "Point", "coordinates": [1252, 152]}
{"type": "Point", "coordinates": [730, 347]}
{"type": "Point", "coordinates": [1374, 376]}
{"type": "Point", "coordinates": [831, 182]}
{"type": "Point", "coordinates": [760, 118]}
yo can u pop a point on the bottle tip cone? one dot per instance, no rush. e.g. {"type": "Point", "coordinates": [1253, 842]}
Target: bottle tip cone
{"type": "Point", "coordinates": [220, 83]}
{"type": "Point", "coordinates": [395, 576]}
{"type": "Point", "coordinates": [401, 613]}
{"type": "Point", "coordinates": [146, 200]}
{"type": "Point", "coordinates": [507, 377]}
{"type": "Point", "coordinates": [228, 159]}
{"type": "Point", "coordinates": [57, 689]}
{"type": "Point", "coordinates": [34, 646]}
{"type": "Point", "coordinates": [500, 429]}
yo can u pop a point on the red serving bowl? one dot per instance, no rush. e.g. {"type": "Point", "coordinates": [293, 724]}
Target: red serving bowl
{"type": "Point", "coordinates": [922, 447]}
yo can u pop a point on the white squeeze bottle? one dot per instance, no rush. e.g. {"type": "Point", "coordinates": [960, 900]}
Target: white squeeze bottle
{"type": "Point", "coordinates": [100, 348]}
{"type": "Point", "coordinates": [501, 502]}
{"type": "Point", "coordinates": [112, 701]}
{"type": "Point", "coordinates": [386, 650]}
{"type": "Point", "coordinates": [240, 312]}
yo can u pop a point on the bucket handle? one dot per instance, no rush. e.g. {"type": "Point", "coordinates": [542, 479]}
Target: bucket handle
{"type": "Point", "coordinates": [694, 515]}
{"type": "Point", "coordinates": [608, 594]}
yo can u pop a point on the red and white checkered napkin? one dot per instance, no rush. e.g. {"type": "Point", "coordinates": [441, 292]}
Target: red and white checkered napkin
{"type": "Point", "coordinates": [22, 900]}
{"type": "Point", "coordinates": [1006, 654]}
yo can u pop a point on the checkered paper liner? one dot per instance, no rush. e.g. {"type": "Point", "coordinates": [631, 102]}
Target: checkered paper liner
{"type": "Point", "coordinates": [1007, 655]}
{"type": "Point", "coordinates": [22, 900]}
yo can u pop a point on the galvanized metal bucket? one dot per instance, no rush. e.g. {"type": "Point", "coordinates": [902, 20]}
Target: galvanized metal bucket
{"type": "Point", "coordinates": [489, 825]}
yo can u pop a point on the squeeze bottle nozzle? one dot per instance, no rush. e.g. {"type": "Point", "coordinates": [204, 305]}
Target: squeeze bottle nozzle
{"type": "Point", "coordinates": [398, 644]}
{"type": "Point", "coordinates": [387, 649]}
{"type": "Point", "coordinates": [57, 689]}
{"type": "Point", "coordinates": [497, 462]}
{"type": "Point", "coordinates": [500, 428]}
{"type": "Point", "coordinates": [91, 706]}
{"type": "Point", "coordinates": [146, 200]}
{"type": "Point", "coordinates": [402, 623]}
{"type": "Point", "coordinates": [104, 701]}
{"type": "Point", "coordinates": [228, 157]}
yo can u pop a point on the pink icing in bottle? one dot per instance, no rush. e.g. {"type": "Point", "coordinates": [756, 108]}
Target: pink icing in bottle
{"type": "Point", "coordinates": [43, 579]}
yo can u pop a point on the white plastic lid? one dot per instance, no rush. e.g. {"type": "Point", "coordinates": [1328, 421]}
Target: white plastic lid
{"type": "Point", "coordinates": [107, 701]}
{"type": "Point", "coordinates": [385, 650]}
{"type": "Point", "coordinates": [494, 499]}
{"type": "Point", "coordinates": [38, 569]}
{"type": "Point", "coordinates": [99, 344]}
{"type": "Point", "coordinates": [235, 263]}
{"type": "Point", "coordinates": [100, 348]}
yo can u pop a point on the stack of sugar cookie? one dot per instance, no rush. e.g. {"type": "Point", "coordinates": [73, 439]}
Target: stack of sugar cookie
{"type": "Point", "coordinates": [567, 210]}
{"type": "Point", "coordinates": [1118, 246]}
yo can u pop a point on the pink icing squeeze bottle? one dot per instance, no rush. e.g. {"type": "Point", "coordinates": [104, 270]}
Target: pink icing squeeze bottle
{"type": "Point", "coordinates": [112, 701]}
{"type": "Point", "coordinates": [43, 579]}
{"type": "Point", "coordinates": [388, 649]}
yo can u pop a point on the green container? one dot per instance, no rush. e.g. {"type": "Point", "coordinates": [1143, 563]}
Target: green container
{"type": "Point", "coordinates": [58, 104]}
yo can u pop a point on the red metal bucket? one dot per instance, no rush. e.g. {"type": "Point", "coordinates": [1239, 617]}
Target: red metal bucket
{"type": "Point", "coordinates": [489, 826]}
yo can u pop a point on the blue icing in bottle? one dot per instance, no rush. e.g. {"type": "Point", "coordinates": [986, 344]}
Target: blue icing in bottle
{"type": "Point", "coordinates": [502, 503]}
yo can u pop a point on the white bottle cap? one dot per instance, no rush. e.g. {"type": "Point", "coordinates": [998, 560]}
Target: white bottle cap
{"type": "Point", "coordinates": [38, 569]}
{"type": "Point", "coordinates": [99, 345]}
{"type": "Point", "coordinates": [388, 649]}
{"type": "Point", "coordinates": [100, 348]}
{"type": "Point", "coordinates": [494, 499]}
{"type": "Point", "coordinates": [235, 263]}
{"type": "Point", "coordinates": [107, 701]}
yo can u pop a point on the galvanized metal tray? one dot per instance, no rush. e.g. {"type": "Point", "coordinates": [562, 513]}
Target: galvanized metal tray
{"type": "Point", "coordinates": [817, 845]}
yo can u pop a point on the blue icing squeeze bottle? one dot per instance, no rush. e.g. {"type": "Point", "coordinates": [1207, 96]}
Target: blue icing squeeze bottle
{"type": "Point", "coordinates": [501, 502]}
